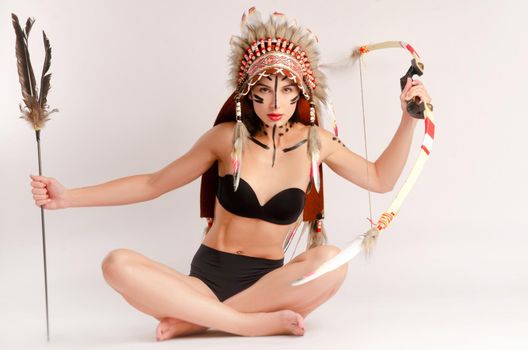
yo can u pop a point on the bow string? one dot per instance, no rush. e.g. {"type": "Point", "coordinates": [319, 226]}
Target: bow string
{"type": "Point", "coordinates": [418, 109]}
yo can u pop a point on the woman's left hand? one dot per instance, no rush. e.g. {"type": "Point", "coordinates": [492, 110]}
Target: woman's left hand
{"type": "Point", "coordinates": [413, 88]}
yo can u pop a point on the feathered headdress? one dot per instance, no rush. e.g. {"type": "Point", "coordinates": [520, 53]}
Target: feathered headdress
{"type": "Point", "coordinates": [277, 46]}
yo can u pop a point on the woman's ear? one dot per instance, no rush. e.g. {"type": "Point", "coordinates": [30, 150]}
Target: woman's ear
{"type": "Point", "coordinates": [250, 95]}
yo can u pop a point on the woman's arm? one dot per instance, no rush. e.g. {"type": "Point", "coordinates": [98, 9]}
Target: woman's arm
{"type": "Point", "coordinates": [126, 190]}
{"type": "Point", "coordinates": [348, 164]}
{"type": "Point", "coordinates": [391, 162]}
{"type": "Point", "coordinates": [139, 188]}
{"type": "Point", "coordinates": [385, 171]}
{"type": "Point", "coordinates": [193, 163]}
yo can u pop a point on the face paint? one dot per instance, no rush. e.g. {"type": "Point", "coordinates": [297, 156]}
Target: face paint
{"type": "Point", "coordinates": [295, 99]}
{"type": "Point", "coordinates": [338, 141]}
{"type": "Point", "coordinates": [258, 99]}
{"type": "Point", "coordinates": [258, 142]}
{"type": "Point", "coordinates": [274, 147]}
{"type": "Point", "coordinates": [276, 85]}
{"type": "Point", "coordinates": [272, 97]}
{"type": "Point", "coordinates": [297, 145]}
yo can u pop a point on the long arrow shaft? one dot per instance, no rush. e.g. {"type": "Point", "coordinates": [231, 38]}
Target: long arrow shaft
{"type": "Point", "coordinates": [37, 132]}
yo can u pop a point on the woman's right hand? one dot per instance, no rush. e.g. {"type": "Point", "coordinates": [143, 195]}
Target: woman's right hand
{"type": "Point", "coordinates": [48, 192]}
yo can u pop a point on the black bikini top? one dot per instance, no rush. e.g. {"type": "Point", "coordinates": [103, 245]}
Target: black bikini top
{"type": "Point", "coordinates": [283, 208]}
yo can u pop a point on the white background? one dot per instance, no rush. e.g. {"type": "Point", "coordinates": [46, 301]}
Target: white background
{"type": "Point", "coordinates": [138, 83]}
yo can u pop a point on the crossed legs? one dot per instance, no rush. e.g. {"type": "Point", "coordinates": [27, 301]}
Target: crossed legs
{"type": "Point", "coordinates": [185, 305]}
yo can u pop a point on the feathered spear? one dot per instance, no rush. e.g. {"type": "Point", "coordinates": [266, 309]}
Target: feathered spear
{"type": "Point", "coordinates": [36, 111]}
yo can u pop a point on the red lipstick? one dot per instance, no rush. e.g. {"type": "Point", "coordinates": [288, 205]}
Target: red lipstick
{"type": "Point", "coordinates": [275, 116]}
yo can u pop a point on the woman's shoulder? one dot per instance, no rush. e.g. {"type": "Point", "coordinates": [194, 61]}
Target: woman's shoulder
{"type": "Point", "coordinates": [220, 130]}
{"type": "Point", "coordinates": [223, 128]}
{"type": "Point", "coordinates": [323, 134]}
{"type": "Point", "coordinates": [328, 141]}
{"type": "Point", "coordinates": [220, 137]}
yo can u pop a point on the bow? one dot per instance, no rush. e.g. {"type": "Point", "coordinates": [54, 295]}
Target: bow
{"type": "Point", "coordinates": [417, 109]}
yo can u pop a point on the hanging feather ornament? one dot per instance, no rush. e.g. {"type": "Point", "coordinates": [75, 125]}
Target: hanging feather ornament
{"type": "Point", "coordinates": [36, 111]}
{"type": "Point", "coordinates": [240, 135]}
{"type": "Point", "coordinates": [331, 111]}
{"type": "Point", "coordinates": [369, 241]}
{"type": "Point", "coordinates": [208, 227]}
{"type": "Point", "coordinates": [317, 235]}
{"type": "Point", "coordinates": [314, 145]}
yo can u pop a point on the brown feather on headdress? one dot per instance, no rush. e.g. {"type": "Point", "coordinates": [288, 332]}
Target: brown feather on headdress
{"type": "Point", "coordinates": [36, 110]}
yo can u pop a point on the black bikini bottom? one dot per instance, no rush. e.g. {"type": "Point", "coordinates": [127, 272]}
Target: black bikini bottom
{"type": "Point", "coordinates": [228, 274]}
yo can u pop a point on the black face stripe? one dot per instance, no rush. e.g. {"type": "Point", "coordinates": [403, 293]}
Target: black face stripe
{"type": "Point", "coordinates": [274, 146]}
{"type": "Point", "coordinates": [285, 77]}
{"type": "Point", "coordinates": [297, 145]}
{"type": "Point", "coordinates": [295, 99]}
{"type": "Point", "coordinates": [276, 84]}
{"type": "Point", "coordinates": [269, 78]}
{"type": "Point", "coordinates": [258, 142]}
{"type": "Point", "coordinates": [257, 98]}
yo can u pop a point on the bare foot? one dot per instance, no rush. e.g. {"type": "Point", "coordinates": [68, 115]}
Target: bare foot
{"type": "Point", "coordinates": [274, 323]}
{"type": "Point", "coordinates": [171, 328]}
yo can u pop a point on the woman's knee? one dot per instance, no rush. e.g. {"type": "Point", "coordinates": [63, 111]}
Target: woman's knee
{"type": "Point", "coordinates": [117, 261]}
{"type": "Point", "coordinates": [324, 253]}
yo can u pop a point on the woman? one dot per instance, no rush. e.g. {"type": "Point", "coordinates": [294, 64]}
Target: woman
{"type": "Point", "coordinates": [258, 182]}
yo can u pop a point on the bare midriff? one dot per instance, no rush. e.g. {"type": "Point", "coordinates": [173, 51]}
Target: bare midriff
{"type": "Point", "coordinates": [251, 236]}
{"type": "Point", "coordinates": [245, 236]}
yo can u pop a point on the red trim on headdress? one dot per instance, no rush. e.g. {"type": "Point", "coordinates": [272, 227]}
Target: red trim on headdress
{"type": "Point", "coordinates": [294, 57]}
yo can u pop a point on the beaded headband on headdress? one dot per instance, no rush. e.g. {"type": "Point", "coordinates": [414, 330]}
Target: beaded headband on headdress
{"type": "Point", "coordinates": [276, 46]}
{"type": "Point", "coordinates": [278, 61]}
